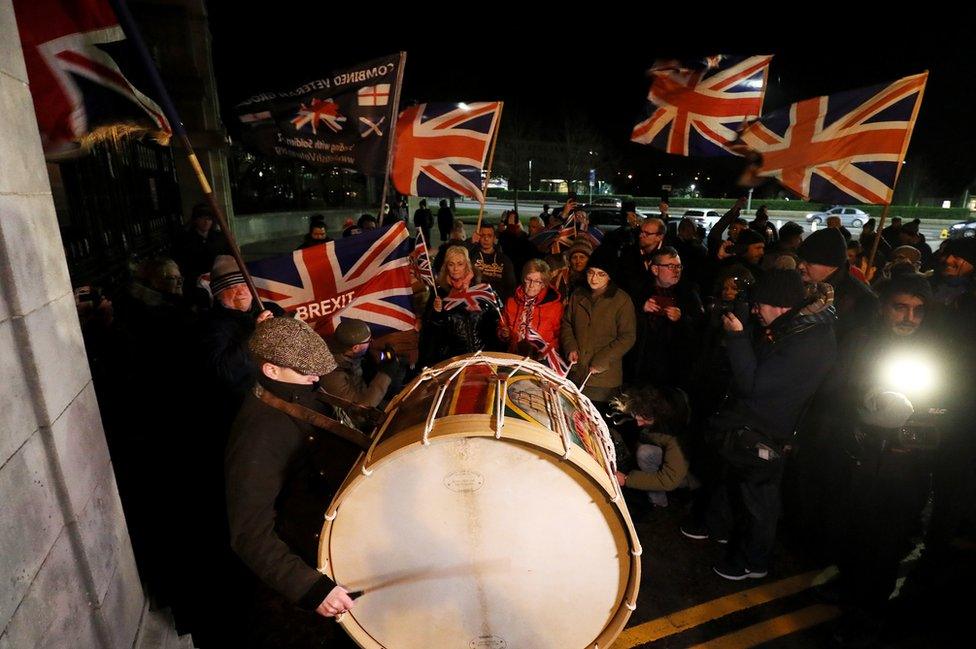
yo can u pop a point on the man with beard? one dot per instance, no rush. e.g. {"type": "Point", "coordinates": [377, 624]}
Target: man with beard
{"type": "Point", "coordinates": [882, 429]}
{"type": "Point", "coordinates": [823, 258]}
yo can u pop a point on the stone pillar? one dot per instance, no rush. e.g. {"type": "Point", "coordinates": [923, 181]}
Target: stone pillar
{"type": "Point", "coordinates": [66, 566]}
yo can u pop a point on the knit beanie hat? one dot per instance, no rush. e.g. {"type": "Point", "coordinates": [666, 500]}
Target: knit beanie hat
{"type": "Point", "coordinates": [580, 245]}
{"type": "Point", "coordinates": [783, 288]}
{"type": "Point", "coordinates": [963, 248]}
{"type": "Point", "coordinates": [604, 259]}
{"type": "Point", "coordinates": [288, 342]}
{"type": "Point", "coordinates": [746, 238]}
{"type": "Point", "coordinates": [224, 274]}
{"type": "Point", "coordinates": [826, 247]}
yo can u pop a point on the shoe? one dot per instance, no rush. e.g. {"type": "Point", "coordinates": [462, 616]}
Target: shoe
{"type": "Point", "coordinates": [699, 533]}
{"type": "Point", "coordinates": [734, 572]}
{"type": "Point", "coordinates": [693, 531]}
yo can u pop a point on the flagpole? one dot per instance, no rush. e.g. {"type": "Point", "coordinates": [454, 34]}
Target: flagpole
{"type": "Point", "coordinates": [491, 161]}
{"type": "Point", "coordinates": [390, 145]}
{"type": "Point", "coordinates": [132, 32]}
{"type": "Point", "coordinates": [901, 161]}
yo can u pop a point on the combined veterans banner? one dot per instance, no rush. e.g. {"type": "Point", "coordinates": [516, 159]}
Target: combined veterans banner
{"type": "Point", "coordinates": [343, 120]}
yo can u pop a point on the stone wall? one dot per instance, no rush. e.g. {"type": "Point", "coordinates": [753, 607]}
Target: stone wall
{"type": "Point", "coordinates": [67, 574]}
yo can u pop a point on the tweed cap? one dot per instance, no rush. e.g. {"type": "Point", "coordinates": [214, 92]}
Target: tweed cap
{"type": "Point", "coordinates": [288, 342]}
{"type": "Point", "coordinates": [352, 332]}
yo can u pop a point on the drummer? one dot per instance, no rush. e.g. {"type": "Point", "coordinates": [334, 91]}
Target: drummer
{"type": "Point", "coordinates": [281, 474]}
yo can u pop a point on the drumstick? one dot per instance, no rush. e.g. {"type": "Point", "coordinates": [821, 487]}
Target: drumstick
{"type": "Point", "coordinates": [434, 573]}
{"type": "Point", "coordinates": [583, 384]}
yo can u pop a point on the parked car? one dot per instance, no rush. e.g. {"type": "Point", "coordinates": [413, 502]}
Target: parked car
{"type": "Point", "coordinates": [963, 229]}
{"type": "Point", "coordinates": [606, 201]}
{"type": "Point", "coordinates": [607, 219]}
{"type": "Point", "coordinates": [849, 216]}
{"type": "Point", "coordinates": [703, 217]}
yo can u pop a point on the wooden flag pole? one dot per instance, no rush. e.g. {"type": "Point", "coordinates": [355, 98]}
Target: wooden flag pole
{"type": "Point", "coordinates": [491, 161]}
{"type": "Point", "coordinates": [392, 143]}
{"type": "Point", "coordinates": [901, 161]}
{"type": "Point", "coordinates": [132, 33]}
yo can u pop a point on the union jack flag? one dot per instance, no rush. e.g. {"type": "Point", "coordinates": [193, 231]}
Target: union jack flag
{"type": "Point", "coordinates": [548, 352]}
{"type": "Point", "coordinates": [560, 237]}
{"type": "Point", "coordinates": [840, 148]}
{"type": "Point", "coordinates": [420, 259]}
{"type": "Point", "coordinates": [366, 277]}
{"type": "Point", "coordinates": [471, 297]}
{"type": "Point", "coordinates": [320, 110]}
{"type": "Point", "coordinates": [696, 112]}
{"type": "Point", "coordinates": [73, 52]}
{"type": "Point", "coordinates": [441, 148]}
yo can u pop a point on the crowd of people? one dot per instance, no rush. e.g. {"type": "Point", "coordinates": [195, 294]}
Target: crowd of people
{"type": "Point", "coordinates": [741, 365]}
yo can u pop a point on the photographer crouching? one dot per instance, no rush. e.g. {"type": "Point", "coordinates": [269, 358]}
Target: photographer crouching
{"type": "Point", "coordinates": [777, 364]}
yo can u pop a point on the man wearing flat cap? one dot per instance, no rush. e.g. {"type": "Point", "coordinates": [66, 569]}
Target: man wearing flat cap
{"type": "Point", "coordinates": [350, 345]}
{"type": "Point", "coordinates": [281, 474]}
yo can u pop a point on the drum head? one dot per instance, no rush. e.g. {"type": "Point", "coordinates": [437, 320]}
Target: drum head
{"type": "Point", "coordinates": [478, 543]}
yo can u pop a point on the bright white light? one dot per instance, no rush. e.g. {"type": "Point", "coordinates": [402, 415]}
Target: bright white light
{"type": "Point", "coordinates": [260, 174]}
{"type": "Point", "coordinates": [463, 106]}
{"type": "Point", "coordinates": [692, 186]}
{"type": "Point", "coordinates": [753, 83]}
{"type": "Point", "coordinates": [909, 373]}
{"type": "Point", "coordinates": [946, 204]}
{"type": "Point", "coordinates": [630, 176]}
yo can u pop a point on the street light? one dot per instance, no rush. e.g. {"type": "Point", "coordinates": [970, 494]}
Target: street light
{"type": "Point", "coordinates": [530, 174]}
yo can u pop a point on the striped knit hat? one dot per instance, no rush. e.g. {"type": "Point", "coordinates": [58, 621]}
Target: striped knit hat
{"type": "Point", "coordinates": [225, 273]}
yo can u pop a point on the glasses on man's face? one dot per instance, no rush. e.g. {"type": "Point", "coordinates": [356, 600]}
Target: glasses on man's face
{"type": "Point", "coordinates": [645, 233]}
{"type": "Point", "coordinates": [674, 268]}
{"type": "Point", "coordinates": [593, 272]}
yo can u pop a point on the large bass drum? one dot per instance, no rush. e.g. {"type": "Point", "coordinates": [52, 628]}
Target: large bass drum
{"type": "Point", "coordinates": [485, 515]}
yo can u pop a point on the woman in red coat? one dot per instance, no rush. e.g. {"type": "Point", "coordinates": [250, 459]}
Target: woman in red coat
{"type": "Point", "coordinates": [533, 313]}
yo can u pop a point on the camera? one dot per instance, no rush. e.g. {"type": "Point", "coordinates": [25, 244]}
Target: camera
{"type": "Point", "coordinates": [387, 354]}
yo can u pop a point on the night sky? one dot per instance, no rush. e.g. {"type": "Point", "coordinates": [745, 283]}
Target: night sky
{"type": "Point", "coordinates": [540, 72]}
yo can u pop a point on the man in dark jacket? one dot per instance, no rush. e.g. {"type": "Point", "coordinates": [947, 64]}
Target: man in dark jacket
{"type": "Point", "coordinates": [423, 220]}
{"type": "Point", "coordinates": [823, 258]}
{"type": "Point", "coordinates": [445, 221]}
{"type": "Point", "coordinates": [633, 270]}
{"type": "Point", "coordinates": [669, 312]}
{"type": "Point", "coordinates": [281, 474]}
{"type": "Point", "coordinates": [197, 246]}
{"type": "Point", "coordinates": [773, 377]}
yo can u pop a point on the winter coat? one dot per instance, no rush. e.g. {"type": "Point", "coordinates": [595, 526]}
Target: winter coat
{"type": "Point", "coordinates": [545, 319]}
{"type": "Point", "coordinates": [457, 331]}
{"type": "Point", "coordinates": [281, 475]}
{"type": "Point", "coordinates": [601, 330]}
{"type": "Point", "coordinates": [855, 302]}
{"type": "Point", "coordinates": [775, 375]}
{"type": "Point", "coordinates": [346, 381]}
{"type": "Point", "coordinates": [663, 350]}
{"type": "Point", "coordinates": [673, 470]}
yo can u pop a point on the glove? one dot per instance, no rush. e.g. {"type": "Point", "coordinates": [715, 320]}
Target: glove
{"type": "Point", "coordinates": [393, 369]}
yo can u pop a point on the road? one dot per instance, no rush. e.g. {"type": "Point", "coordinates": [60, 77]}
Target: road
{"type": "Point", "coordinates": [932, 229]}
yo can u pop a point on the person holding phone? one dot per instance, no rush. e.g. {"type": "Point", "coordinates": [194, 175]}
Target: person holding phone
{"type": "Point", "coordinates": [669, 316]}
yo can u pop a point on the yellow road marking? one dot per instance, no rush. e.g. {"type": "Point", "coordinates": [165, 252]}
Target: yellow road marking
{"type": "Point", "coordinates": [777, 627]}
{"type": "Point", "coordinates": [697, 615]}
